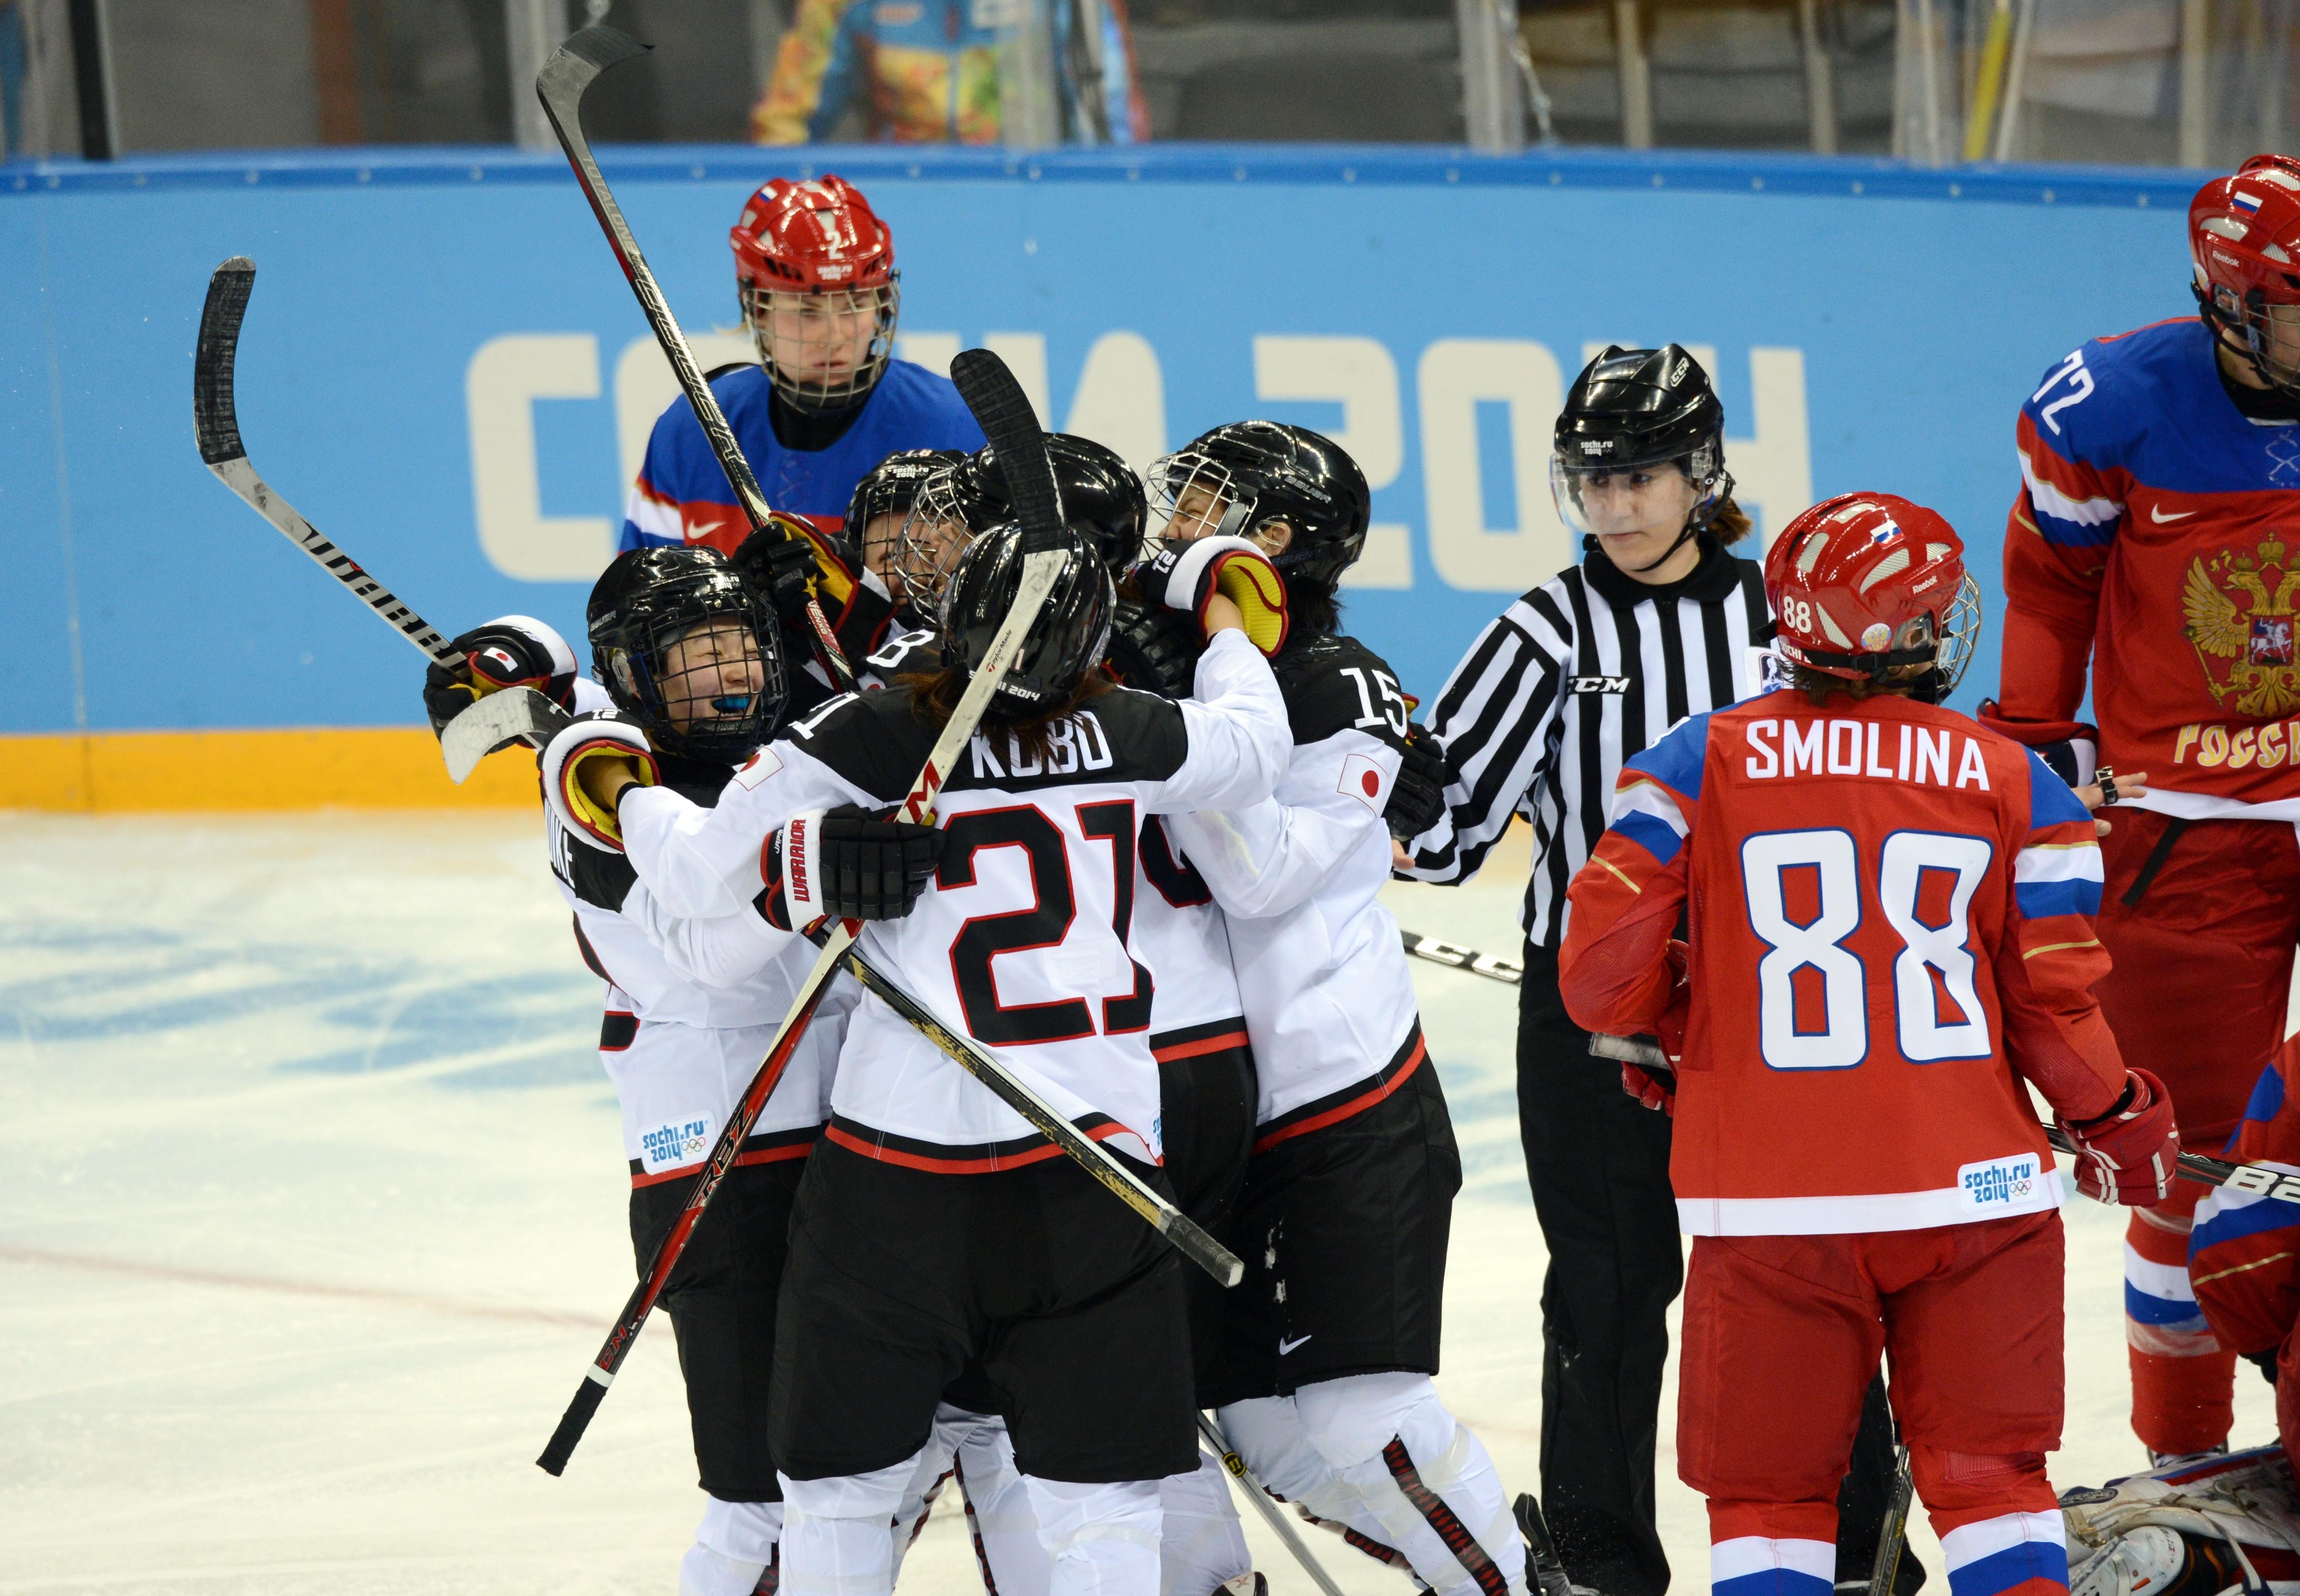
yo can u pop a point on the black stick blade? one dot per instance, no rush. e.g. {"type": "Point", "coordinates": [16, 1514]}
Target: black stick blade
{"type": "Point", "coordinates": [572, 1424]}
{"type": "Point", "coordinates": [586, 53]}
{"type": "Point", "coordinates": [1002, 411]}
{"type": "Point", "coordinates": [215, 417]}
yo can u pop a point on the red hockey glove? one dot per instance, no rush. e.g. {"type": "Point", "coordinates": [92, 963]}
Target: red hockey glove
{"type": "Point", "coordinates": [1652, 1085]}
{"type": "Point", "coordinates": [2129, 1154]}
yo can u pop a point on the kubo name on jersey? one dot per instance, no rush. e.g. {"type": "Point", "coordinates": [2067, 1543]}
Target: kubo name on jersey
{"type": "Point", "coordinates": [1787, 748]}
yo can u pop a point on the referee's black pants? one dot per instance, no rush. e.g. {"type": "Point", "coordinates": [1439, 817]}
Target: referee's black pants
{"type": "Point", "coordinates": [1598, 1162]}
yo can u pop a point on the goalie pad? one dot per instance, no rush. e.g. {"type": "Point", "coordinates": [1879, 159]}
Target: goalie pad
{"type": "Point", "coordinates": [2225, 1525]}
{"type": "Point", "coordinates": [1186, 575]}
{"type": "Point", "coordinates": [576, 752]}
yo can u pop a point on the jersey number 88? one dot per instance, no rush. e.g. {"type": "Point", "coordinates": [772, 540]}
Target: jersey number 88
{"type": "Point", "coordinates": [1934, 963]}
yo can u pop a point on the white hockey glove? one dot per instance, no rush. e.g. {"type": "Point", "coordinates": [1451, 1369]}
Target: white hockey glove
{"type": "Point", "coordinates": [572, 765]}
{"type": "Point", "coordinates": [1185, 575]}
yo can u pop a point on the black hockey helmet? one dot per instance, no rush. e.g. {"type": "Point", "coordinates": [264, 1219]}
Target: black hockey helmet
{"type": "Point", "coordinates": [891, 486]}
{"type": "Point", "coordinates": [1262, 471]}
{"type": "Point", "coordinates": [646, 604]}
{"type": "Point", "coordinates": [1101, 495]}
{"type": "Point", "coordinates": [1631, 408]}
{"type": "Point", "coordinates": [1065, 642]}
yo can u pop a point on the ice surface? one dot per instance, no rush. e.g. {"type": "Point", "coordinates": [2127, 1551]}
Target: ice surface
{"type": "Point", "coordinates": [313, 1209]}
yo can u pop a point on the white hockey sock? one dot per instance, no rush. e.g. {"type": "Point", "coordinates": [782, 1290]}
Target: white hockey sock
{"type": "Point", "coordinates": [1430, 1482]}
{"type": "Point", "coordinates": [834, 1541]}
{"type": "Point", "coordinates": [1201, 1544]}
{"type": "Point", "coordinates": [733, 1546]}
{"type": "Point", "coordinates": [1267, 1434]}
{"type": "Point", "coordinates": [999, 1509]}
{"type": "Point", "coordinates": [1102, 1539]}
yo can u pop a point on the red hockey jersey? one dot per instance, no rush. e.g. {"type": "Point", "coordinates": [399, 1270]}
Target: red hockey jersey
{"type": "Point", "coordinates": [2153, 533]}
{"type": "Point", "coordinates": [2244, 1252]}
{"type": "Point", "coordinates": [1889, 919]}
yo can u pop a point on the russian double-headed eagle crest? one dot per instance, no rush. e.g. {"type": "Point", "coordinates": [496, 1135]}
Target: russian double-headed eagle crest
{"type": "Point", "coordinates": [2247, 652]}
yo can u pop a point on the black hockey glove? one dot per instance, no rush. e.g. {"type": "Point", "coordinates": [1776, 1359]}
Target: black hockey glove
{"type": "Point", "coordinates": [512, 651]}
{"type": "Point", "coordinates": [1153, 649]}
{"type": "Point", "coordinates": [776, 564]}
{"type": "Point", "coordinates": [1182, 576]}
{"type": "Point", "coordinates": [1416, 798]}
{"type": "Point", "coordinates": [844, 864]}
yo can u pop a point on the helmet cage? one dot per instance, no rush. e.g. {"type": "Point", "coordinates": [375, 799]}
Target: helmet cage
{"type": "Point", "coordinates": [633, 658]}
{"type": "Point", "coordinates": [2246, 283]}
{"type": "Point", "coordinates": [935, 532]}
{"type": "Point", "coordinates": [1173, 477]}
{"type": "Point", "coordinates": [829, 388]}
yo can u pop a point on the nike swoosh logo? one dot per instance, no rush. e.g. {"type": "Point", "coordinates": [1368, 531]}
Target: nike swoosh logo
{"type": "Point", "coordinates": [1284, 1346]}
{"type": "Point", "coordinates": [2156, 513]}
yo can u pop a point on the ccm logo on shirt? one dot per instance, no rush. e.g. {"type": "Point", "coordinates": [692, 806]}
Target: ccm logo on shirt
{"type": "Point", "coordinates": [1596, 684]}
{"type": "Point", "coordinates": [1998, 1182]}
{"type": "Point", "coordinates": [1852, 749]}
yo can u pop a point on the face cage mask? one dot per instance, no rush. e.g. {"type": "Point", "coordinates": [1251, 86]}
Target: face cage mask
{"type": "Point", "coordinates": [2256, 322]}
{"type": "Point", "coordinates": [935, 533]}
{"type": "Point", "coordinates": [830, 390]}
{"type": "Point", "coordinates": [1947, 656]}
{"type": "Point", "coordinates": [728, 724]}
{"type": "Point", "coordinates": [1173, 477]}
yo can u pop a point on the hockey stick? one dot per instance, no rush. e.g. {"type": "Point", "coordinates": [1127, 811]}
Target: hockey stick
{"type": "Point", "coordinates": [1007, 421]}
{"type": "Point", "coordinates": [1264, 1504]}
{"type": "Point", "coordinates": [560, 85]}
{"type": "Point", "coordinates": [512, 713]}
{"type": "Point", "coordinates": [1490, 966]}
{"type": "Point", "coordinates": [1189, 1238]}
{"type": "Point", "coordinates": [1893, 1536]}
{"type": "Point", "coordinates": [216, 419]}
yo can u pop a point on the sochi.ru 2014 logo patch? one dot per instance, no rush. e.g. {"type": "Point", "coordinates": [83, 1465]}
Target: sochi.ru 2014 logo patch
{"type": "Point", "coordinates": [1999, 1183]}
{"type": "Point", "coordinates": [675, 1141]}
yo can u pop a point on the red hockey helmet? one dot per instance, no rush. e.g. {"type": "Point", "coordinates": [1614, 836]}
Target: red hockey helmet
{"type": "Point", "coordinates": [2243, 234]}
{"type": "Point", "coordinates": [814, 267]}
{"type": "Point", "coordinates": [1867, 585]}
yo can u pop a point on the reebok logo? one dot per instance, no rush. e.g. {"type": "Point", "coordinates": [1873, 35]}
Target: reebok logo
{"type": "Point", "coordinates": [1284, 1346]}
{"type": "Point", "coordinates": [1596, 684]}
{"type": "Point", "coordinates": [2156, 513]}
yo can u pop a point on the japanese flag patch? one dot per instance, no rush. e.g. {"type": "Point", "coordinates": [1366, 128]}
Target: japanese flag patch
{"type": "Point", "coordinates": [758, 767]}
{"type": "Point", "coordinates": [1363, 779]}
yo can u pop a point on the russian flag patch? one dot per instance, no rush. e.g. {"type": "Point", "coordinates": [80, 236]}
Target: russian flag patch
{"type": "Point", "coordinates": [2246, 202]}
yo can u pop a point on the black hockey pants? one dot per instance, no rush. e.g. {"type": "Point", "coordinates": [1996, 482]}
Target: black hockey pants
{"type": "Point", "coordinates": [1598, 1163]}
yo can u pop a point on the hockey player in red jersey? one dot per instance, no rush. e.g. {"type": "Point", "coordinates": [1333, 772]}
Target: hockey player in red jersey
{"type": "Point", "coordinates": [2157, 466]}
{"type": "Point", "coordinates": [2244, 1255]}
{"type": "Point", "coordinates": [1889, 933]}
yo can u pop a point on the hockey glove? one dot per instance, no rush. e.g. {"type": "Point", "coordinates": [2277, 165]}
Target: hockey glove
{"type": "Point", "coordinates": [1656, 1084]}
{"type": "Point", "coordinates": [2130, 1154]}
{"type": "Point", "coordinates": [511, 651]}
{"type": "Point", "coordinates": [1185, 575]}
{"type": "Point", "coordinates": [844, 864]}
{"type": "Point", "coordinates": [1153, 649]}
{"type": "Point", "coordinates": [2072, 748]}
{"type": "Point", "coordinates": [1416, 798]}
{"type": "Point", "coordinates": [572, 765]}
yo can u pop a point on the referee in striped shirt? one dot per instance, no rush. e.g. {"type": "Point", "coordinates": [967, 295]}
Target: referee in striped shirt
{"type": "Point", "coordinates": [1658, 622]}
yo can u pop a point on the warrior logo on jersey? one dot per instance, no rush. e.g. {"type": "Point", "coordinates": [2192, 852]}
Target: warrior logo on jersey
{"type": "Point", "coordinates": [2247, 652]}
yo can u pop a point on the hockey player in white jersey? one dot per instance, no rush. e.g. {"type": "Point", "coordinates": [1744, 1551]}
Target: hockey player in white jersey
{"type": "Point", "coordinates": [1334, 1334]}
{"type": "Point", "coordinates": [691, 1004]}
{"type": "Point", "coordinates": [934, 1227]}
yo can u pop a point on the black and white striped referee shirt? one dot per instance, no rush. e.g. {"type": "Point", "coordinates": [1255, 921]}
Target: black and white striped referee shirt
{"type": "Point", "coordinates": [1568, 681]}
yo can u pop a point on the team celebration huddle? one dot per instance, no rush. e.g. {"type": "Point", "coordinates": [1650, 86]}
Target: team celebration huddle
{"type": "Point", "coordinates": [1028, 818]}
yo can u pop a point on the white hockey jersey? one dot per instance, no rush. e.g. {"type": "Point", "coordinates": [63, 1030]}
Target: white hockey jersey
{"type": "Point", "coordinates": [1329, 1000]}
{"type": "Point", "coordinates": [692, 1006]}
{"type": "Point", "coordinates": [1182, 935]}
{"type": "Point", "coordinates": [1022, 942]}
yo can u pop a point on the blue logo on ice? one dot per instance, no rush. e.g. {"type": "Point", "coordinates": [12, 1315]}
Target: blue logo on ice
{"type": "Point", "coordinates": [675, 1142]}
{"type": "Point", "coordinates": [2005, 1184]}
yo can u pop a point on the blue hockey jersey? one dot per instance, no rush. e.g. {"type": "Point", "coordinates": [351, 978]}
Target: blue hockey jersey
{"type": "Point", "coordinates": [681, 496]}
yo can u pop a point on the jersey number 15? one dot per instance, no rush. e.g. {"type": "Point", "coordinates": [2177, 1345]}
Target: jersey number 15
{"type": "Point", "coordinates": [1937, 1013]}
